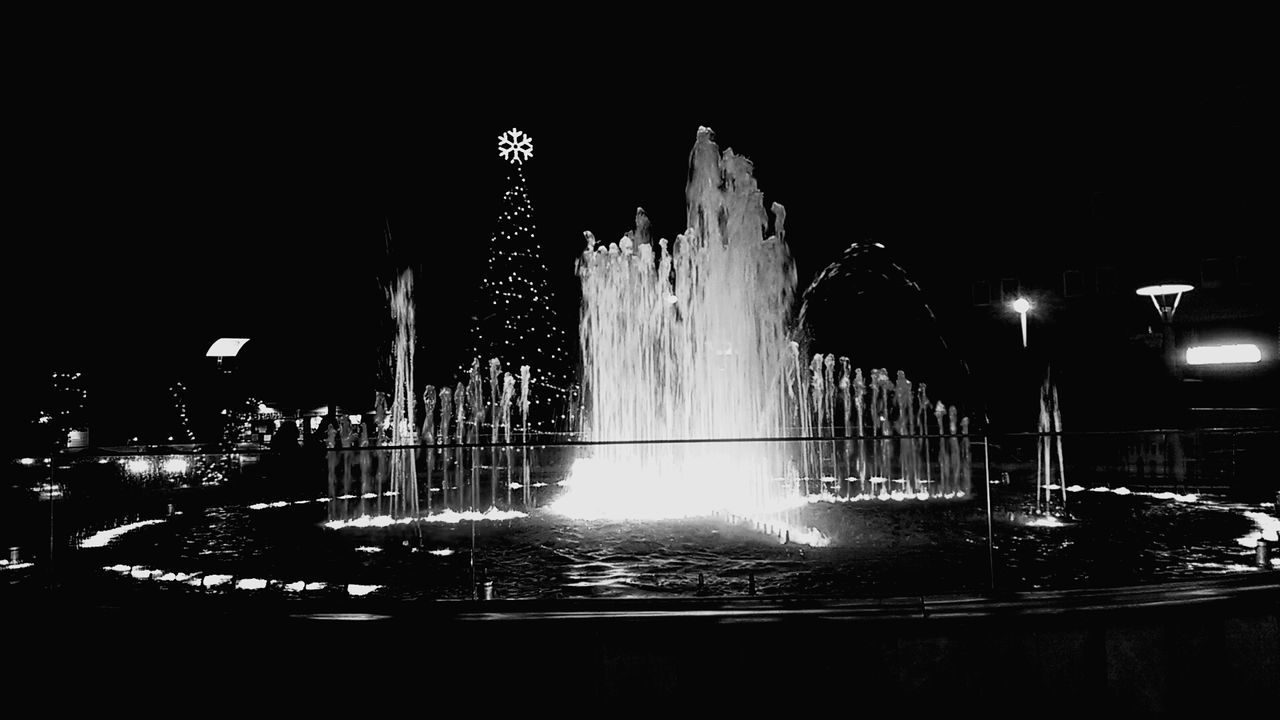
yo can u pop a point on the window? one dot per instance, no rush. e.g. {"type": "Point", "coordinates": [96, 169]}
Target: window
{"type": "Point", "coordinates": [1009, 288]}
{"type": "Point", "coordinates": [1214, 272]}
{"type": "Point", "coordinates": [1244, 271]}
{"type": "Point", "coordinates": [1073, 283]}
{"type": "Point", "coordinates": [1108, 283]}
{"type": "Point", "coordinates": [982, 293]}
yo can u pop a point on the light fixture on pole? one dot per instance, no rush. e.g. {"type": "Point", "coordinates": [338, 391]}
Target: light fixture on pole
{"type": "Point", "coordinates": [1165, 297]}
{"type": "Point", "coordinates": [225, 348]}
{"type": "Point", "coordinates": [1022, 306]}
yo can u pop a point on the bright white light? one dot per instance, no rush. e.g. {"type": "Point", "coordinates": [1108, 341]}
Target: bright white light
{"type": "Point", "coordinates": [251, 584]}
{"type": "Point", "coordinates": [137, 466]}
{"type": "Point", "coordinates": [1022, 306]}
{"type": "Point", "coordinates": [101, 539]}
{"type": "Point", "coordinates": [448, 517]}
{"type": "Point", "coordinates": [1171, 289]}
{"type": "Point", "coordinates": [1045, 521]}
{"type": "Point", "coordinates": [698, 484]}
{"type": "Point", "coordinates": [226, 347]}
{"type": "Point", "coordinates": [1224, 354]}
{"type": "Point", "coordinates": [1268, 528]}
{"type": "Point", "coordinates": [360, 590]}
{"type": "Point", "coordinates": [28, 461]}
{"type": "Point", "coordinates": [175, 465]}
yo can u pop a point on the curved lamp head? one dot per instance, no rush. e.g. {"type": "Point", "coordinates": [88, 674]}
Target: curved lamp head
{"type": "Point", "coordinates": [226, 347]}
{"type": "Point", "coordinates": [1165, 297]}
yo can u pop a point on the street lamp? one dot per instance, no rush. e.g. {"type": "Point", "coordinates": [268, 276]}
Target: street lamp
{"type": "Point", "coordinates": [1022, 306]}
{"type": "Point", "coordinates": [225, 348]}
{"type": "Point", "coordinates": [1165, 297]}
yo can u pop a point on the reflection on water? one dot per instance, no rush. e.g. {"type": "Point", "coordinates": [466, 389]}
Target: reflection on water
{"type": "Point", "coordinates": [103, 537]}
{"type": "Point", "coordinates": [475, 517]}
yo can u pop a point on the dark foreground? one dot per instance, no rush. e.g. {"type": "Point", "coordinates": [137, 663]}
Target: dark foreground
{"type": "Point", "coordinates": [1188, 647]}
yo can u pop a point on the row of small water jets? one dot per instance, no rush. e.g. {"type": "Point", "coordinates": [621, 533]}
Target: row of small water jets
{"type": "Point", "coordinates": [444, 421]}
{"type": "Point", "coordinates": [426, 484]}
{"type": "Point", "coordinates": [448, 416]}
{"type": "Point", "coordinates": [880, 429]}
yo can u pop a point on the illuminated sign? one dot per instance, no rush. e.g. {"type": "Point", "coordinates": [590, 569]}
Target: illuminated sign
{"type": "Point", "coordinates": [1224, 354]}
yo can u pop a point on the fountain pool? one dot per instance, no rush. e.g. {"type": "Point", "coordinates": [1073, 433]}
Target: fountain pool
{"type": "Point", "coordinates": [323, 529]}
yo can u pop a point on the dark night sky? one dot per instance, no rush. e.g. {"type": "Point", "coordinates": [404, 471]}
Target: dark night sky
{"type": "Point", "coordinates": [155, 213]}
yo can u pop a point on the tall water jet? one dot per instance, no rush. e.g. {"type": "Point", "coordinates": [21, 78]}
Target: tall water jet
{"type": "Point", "coordinates": [400, 296]}
{"type": "Point", "coordinates": [688, 343]}
{"type": "Point", "coordinates": [495, 372]}
{"type": "Point", "coordinates": [404, 473]}
{"type": "Point", "coordinates": [524, 402]}
{"type": "Point", "coordinates": [428, 433]}
{"type": "Point", "coordinates": [508, 392]}
{"type": "Point", "coordinates": [446, 414]}
{"type": "Point", "coordinates": [460, 404]}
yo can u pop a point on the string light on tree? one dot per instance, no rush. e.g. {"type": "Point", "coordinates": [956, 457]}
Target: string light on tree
{"type": "Point", "coordinates": [65, 407]}
{"type": "Point", "coordinates": [179, 393]}
{"type": "Point", "coordinates": [517, 323]}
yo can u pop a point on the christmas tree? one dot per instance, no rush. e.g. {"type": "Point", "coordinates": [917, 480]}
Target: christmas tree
{"type": "Point", "coordinates": [63, 410]}
{"type": "Point", "coordinates": [516, 322]}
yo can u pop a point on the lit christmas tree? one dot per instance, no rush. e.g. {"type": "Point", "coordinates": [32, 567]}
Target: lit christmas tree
{"type": "Point", "coordinates": [179, 393]}
{"type": "Point", "coordinates": [516, 322]}
{"type": "Point", "coordinates": [63, 410]}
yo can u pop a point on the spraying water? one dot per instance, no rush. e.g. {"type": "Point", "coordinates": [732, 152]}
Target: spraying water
{"type": "Point", "coordinates": [688, 342]}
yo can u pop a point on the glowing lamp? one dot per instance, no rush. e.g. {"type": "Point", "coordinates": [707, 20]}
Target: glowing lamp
{"type": "Point", "coordinates": [226, 347]}
{"type": "Point", "coordinates": [1238, 354]}
{"type": "Point", "coordinates": [1022, 306]}
{"type": "Point", "coordinates": [1165, 297]}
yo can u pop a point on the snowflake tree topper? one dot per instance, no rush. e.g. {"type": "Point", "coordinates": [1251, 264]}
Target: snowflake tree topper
{"type": "Point", "coordinates": [514, 146]}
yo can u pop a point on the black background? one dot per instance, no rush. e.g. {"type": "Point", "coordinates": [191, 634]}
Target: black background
{"type": "Point", "coordinates": [157, 203]}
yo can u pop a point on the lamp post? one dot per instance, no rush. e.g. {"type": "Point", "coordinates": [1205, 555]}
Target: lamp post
{"type": "Point", "coordinates": [1166, 297]}
{"type": "Point", "coordinates": [1022, 306]}
{"type": "Point", "coordinates": [220, 349]}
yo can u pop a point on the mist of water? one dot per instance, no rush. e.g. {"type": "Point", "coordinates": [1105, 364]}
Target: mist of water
{"type": "Point", "coordinates": [688, 342]}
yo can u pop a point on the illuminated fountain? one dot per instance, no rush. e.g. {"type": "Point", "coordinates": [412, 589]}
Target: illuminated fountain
{"type": "Point", "coordinates": [687, 343]}
{"type": "Point", "coordinates": [693, 342]}
{"type": "Point", "coordinates": [705, 401]}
